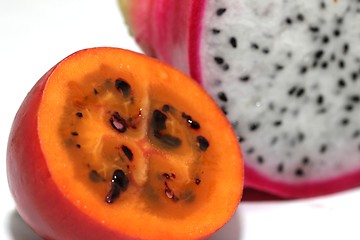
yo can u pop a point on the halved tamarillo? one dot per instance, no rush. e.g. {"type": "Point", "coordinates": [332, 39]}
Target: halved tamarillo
{"type": "Point", "coordinates": [111, 144]}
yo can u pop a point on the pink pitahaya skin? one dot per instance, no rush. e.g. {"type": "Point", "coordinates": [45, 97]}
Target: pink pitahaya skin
{"type": "Point", "coordinates": [137, 15]}
{"type": "Point", "coordinates": [312, 189]}
{"type": "Point", "coordinates": [168, 29]}
{"type": "Point", "coordinates": [171, 30]}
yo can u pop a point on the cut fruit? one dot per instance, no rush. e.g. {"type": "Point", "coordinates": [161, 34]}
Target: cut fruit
{"type": "Point", "coordinates": [111, 144]}
{"type": "Point", "coordinates": [286, 74]}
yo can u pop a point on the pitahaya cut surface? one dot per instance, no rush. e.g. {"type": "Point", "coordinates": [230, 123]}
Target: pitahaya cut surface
{"type": "Point", "coordinates": [286, 74]}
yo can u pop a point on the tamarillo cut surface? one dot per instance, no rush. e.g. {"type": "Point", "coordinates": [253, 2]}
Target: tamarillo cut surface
{"type": "Point", "coordinates": [111, 144]}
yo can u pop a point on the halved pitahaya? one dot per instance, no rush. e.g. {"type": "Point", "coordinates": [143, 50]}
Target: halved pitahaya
{"type": "Point", "coordinates": [286, 73]}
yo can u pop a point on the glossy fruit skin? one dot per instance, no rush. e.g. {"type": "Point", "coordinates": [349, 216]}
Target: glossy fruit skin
{"type": "Point", "coordinates": [39, 200]}
{"type": "Point", "coordinates": [37, 197]}
{"type": "Point", "coordinates": [169, 30]}
{"type": "Point", "coordinates": [181, 41]}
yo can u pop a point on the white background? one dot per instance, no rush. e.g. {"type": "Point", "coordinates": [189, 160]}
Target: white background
{"type": "Point", "coordinates": [36, 34]}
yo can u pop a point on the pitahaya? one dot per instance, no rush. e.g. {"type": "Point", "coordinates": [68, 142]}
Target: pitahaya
{"type": "Point", "coordinates": [286, 74]}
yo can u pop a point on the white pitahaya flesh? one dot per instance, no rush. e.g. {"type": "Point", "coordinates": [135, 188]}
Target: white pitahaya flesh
{"type": "Point", "coordinates": [286, 74]}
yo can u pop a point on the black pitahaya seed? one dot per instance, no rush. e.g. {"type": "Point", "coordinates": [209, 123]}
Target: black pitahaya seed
{"type": "Point", "coordinates": [310, 58]}
{"type": "Point", "coordinates": [286, 74]}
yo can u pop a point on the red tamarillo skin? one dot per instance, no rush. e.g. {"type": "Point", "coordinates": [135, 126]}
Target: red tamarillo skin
{"type": "Point", "coordinates": [108, 145]}
{"type": "Point", "coordinates": [39, 200]}
{"type": "Point", "coordinates": [286, 74]}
